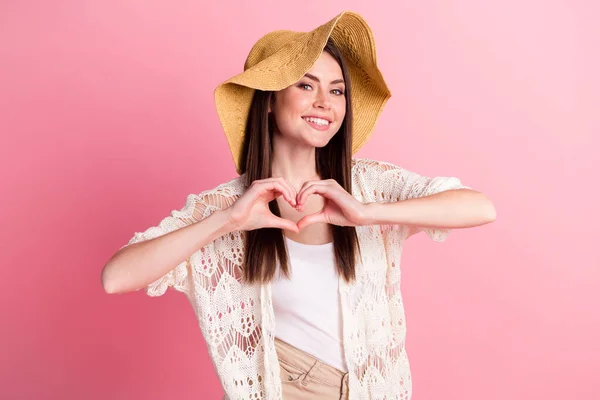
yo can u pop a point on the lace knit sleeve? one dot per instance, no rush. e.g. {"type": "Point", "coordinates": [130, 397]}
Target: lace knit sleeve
{"type": "Point", "coordinates": [196, 208]}
{"type": "Point", "coordinates": [390, 183]}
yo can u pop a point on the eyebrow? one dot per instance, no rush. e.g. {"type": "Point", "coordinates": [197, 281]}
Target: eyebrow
{"type": "Point", "coordinates": [314, 78]}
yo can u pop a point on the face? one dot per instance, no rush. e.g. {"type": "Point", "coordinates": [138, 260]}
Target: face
{"type": "Point", "coordinates": [312, 110]}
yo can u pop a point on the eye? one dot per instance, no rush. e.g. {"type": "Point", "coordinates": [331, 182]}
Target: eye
{"type": "Point", "coordinates": [304, 85]}
{"type": "Point", "coordinates": [338, 92]}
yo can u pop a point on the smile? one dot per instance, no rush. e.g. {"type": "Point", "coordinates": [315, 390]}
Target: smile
{"type": "Point", "coordinates": [317, 123]}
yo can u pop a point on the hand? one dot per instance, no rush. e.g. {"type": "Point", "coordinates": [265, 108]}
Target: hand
{"type": "Point", "coordinates": [251, 211]}
{"type": "Point", "coordinates": [341, 208]}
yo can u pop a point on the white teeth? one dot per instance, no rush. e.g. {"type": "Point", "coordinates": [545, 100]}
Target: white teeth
{"type": "Point", "coordinates": [317, 121]}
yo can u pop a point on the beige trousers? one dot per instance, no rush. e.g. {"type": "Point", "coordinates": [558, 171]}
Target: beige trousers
{"type": "Point", "coordinates": [304, 377]}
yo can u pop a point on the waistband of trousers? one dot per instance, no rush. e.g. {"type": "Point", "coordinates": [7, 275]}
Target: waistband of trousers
{"type": "Point", "coordinates": [312, 365]}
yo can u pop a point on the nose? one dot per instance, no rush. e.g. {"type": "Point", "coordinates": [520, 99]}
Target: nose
{"type": "Point", "coordinates": [322, 100]}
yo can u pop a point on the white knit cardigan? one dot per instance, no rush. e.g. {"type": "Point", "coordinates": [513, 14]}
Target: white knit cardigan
{"type": "Point", "coordinates": [237, 319]}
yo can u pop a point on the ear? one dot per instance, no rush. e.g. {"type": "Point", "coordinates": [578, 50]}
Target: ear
{"type": "Point", "coordinates": [271, 102]}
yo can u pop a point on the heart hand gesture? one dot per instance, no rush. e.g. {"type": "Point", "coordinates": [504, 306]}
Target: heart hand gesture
{"type": "Point", "coordinates": [341, 208]}
{"type": "Point", "coordinates": [251, 211]}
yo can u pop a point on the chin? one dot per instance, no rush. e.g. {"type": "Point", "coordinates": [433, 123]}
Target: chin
{"type": "Point", "coordinates": [319, 143]}
{"type": "Point", "coordinates": [312, 140]}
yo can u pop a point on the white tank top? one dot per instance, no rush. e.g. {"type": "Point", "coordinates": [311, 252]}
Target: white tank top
{"type": "Point", "coordinates": [307, 306]}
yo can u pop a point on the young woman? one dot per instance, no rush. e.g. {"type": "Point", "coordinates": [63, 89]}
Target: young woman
{"type": "Point", "coordinates": [293, 268]}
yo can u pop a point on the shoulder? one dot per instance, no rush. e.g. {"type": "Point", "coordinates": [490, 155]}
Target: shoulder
{"type": "Point", "coordinates": [221, 196]}
{"type": "Point", "coordinates": [234, 187]}
{"type": "Point", "coordinates": [366, 166]}
{"type": "Point", "coordinates": [370, 178]}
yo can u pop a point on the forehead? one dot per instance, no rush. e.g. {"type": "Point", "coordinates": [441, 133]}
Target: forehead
{"type": "Point", "coordinates": [326, 66]}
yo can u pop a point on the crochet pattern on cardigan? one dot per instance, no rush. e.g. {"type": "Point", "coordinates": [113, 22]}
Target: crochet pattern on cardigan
{"type": "Point", "coordinates": [237, 319]}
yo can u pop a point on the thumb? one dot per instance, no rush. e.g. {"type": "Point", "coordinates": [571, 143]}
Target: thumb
{"type": "Point", "coordinates": [282, 223]}
{"type": "Point", "coordinates": [311, 219]}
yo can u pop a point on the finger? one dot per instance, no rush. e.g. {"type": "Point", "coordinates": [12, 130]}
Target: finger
{"type": "Point", "coordinates": [304, 188]}
{"type": "Point", "coordinates": [291, 190]}
{"type": "Point", "coordinates": [282, 223]}
{"type": "Point", "coordinates": [311, 219]}
{"type": "Point", "coordinates": [276, 186]}
{"type": "Point", "coordinates": [331, 184]}
{"type": "Point", "coordinates": [306, 185]}
{"type": "Point", "coordinates": [317, 188]}
{"type": "Point", "coordinates": [319, 181]}
{"type": "Point", "coordinates": [289, 194]}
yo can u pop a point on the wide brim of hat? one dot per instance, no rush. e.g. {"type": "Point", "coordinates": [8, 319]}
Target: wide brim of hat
{"type": "Point", "coordinates": [291, 61]}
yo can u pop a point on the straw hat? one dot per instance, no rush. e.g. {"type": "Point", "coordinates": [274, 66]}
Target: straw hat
{"type": "Point", "coordinates": [281, 58]}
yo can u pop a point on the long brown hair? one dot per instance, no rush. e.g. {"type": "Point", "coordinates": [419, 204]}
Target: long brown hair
{"type": "Point", "coordinates": [265, 246]}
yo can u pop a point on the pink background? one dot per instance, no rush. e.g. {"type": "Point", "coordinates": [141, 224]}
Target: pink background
{"type": "Point", "coordinates": [107, 122]}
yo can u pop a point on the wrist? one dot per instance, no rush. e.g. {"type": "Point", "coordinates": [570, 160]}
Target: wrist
{"type": "Point", "coordinates": [226, 222]}
{"type": "Point", "coordinates": [371, 214]}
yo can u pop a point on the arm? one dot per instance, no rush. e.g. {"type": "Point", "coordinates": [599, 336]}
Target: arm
{"type": "Point", "coordinates": [394, 197]}
{"type": "Point", "coordinates": [160, 256]}
{"type": "Point", "coordinates": [135, 266]}
{"type": "Point", "coordinates": [457, 208]}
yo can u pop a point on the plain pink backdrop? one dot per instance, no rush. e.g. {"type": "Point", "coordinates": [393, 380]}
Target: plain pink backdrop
{"type": "Point", "coordinates": [107, 122]}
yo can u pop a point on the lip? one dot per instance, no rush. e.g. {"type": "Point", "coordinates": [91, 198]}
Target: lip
{"type": "Point", "coordinates": [317, 127]}
{"type": "Point", "coordinates": [318, 116]}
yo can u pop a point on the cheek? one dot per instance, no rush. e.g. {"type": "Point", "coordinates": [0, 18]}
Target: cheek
{"type": "Point", "coordinates": [299, 103]}
{"type": "Point", "coordinates": [291, 103]}
{"type": "Point", "coordinates": [340, 111]}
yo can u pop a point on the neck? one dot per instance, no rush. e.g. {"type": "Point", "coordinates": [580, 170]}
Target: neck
{"type": "Point", "coordinates": [296, 164]}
